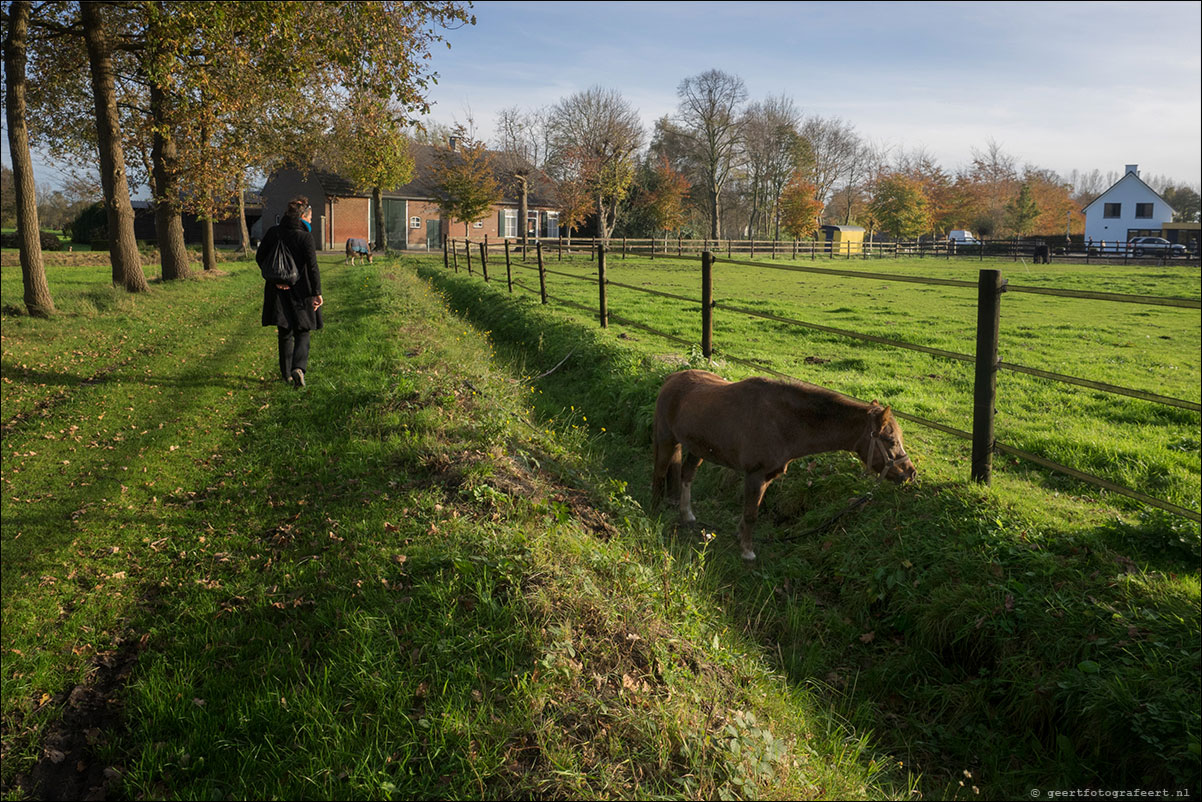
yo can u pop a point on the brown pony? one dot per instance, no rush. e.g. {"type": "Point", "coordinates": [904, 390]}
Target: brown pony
{"type": "Point", "coordinates": [759, 426]}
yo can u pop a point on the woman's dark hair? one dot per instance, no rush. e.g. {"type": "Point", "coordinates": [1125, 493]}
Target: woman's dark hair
{"type": "Point", "coordinates": [297, 207]}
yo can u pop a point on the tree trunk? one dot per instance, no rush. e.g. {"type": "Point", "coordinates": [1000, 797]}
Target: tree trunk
{"type": "Point", "coordinates": [377, 195]}
{"type": "Point", "coordinates": [715, 222]}
{"type": "Point", "coordinates": [210, 248]}
{"type": "Point", "coordinates": [523, 212]}
{"type": "Point", "coordinates": [33, 271]}
{"type": "Point", "coordinates": [123, 247]}
{"type": "Point", "coordinates": [168, 224]}
{"type": "Point", "coordinates": [243, 232]}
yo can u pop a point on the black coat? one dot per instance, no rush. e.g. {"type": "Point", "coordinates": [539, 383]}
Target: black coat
{"type": "Point", "coordinates": [292, 309]}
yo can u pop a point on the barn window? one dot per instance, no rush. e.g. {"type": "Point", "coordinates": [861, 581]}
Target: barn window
{"type": "Point", "coordinates": [415, 222]}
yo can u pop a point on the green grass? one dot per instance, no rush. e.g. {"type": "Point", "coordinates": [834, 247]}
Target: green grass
{"type": "Point", "coordinates": [397, 583]}
{"type": "Point", "coordinates": [1036, 633]}
{"type": "Point", "coordinates": [1138, 444]}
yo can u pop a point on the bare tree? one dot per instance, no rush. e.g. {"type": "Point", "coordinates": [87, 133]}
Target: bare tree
{"type": "Point", "coordinates": [524, 134]}
{"type": "Point", "coordinates": [596, 135]}
{"type": "Point", "coordinates": [834, 147]}
{"type": "Point", "coordinates": [773, 150]}
{"type": "Point", "coordinates": [522, 146]}
{"type": "Point", "coordinates": [709, 118]}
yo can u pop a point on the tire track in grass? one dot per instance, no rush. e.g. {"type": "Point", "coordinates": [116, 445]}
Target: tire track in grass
{"type": "Point", "coordinates": [71, 578]}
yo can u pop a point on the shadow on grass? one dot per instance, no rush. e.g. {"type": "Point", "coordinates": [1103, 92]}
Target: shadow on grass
{"type": "Point", "coordinates": [339, 645]}
{"type": "Point", "coordinates": [966, 637]}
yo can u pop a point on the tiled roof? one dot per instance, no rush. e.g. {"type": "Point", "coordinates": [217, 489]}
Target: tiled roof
{"type": "Point", "coordinates": [541, 190]}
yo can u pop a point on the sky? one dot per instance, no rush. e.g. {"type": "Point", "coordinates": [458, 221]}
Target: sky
{"type": "Point", "coordinates": [1061, 86]}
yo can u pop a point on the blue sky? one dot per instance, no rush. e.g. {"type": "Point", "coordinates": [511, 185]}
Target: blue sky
{"type": "Point", "coordinates": [1079, 85]}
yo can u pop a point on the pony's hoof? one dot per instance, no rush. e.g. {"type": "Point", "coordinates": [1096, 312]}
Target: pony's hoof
{"type": "Point", "coordinates": [749, 555]}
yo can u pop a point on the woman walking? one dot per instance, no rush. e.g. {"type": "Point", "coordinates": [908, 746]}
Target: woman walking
{"type": "Point", "coordinates": [294, 310]}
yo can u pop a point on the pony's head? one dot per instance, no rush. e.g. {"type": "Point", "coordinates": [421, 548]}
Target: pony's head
{"type": "Point", "coordinates": [882, 450]}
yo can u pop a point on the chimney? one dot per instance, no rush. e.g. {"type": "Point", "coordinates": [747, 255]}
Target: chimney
{"type": "Point", "coordinates": [1132, 168]}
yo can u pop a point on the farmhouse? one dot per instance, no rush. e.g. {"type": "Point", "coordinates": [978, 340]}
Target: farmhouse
{"type": "Point", "coordinates": [1130, 208]}
{"type": "Point", "coordinates": [411, 215]}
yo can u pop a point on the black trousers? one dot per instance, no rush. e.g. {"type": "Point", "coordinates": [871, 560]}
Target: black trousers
{"type": "Point", "coordinates": [294, 351]}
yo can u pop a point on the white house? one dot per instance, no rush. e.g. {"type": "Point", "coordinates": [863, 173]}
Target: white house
{"type": "Point", "coordinates": [1128, 209]}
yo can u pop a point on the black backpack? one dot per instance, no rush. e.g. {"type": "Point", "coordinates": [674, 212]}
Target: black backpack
{"type": "Point", "coordinates": [280, 267]}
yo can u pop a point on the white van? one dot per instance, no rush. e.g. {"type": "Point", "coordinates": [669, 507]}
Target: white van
{"type": "Point", "coordinates": [961, 236]}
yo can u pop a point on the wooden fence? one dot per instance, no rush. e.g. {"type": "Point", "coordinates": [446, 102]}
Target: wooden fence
{"type": "Point", "coordinates": [665, 247]}
{"type": "Point", "coordinates": [990, 288]}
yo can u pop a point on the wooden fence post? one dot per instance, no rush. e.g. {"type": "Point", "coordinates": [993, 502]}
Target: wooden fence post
{"type": "Point", "coordinates": [467, 246]}
{"type": "Point", "coordinates": [623, 248]}
{"type": "Point", "coordinates": [455, 255]}
{"type": "Point", "coordinates": [484, 259]}
{"type": "Point", "coordinates": [990, 287]}
{"type": "Point", "coordinates": [542, 273]}
{"type": "Point", "coordinates": [707, 304]}
{"type": "Point", "coordinates": [603, 306]}
{"type": "Point", "coordinates": [446, 264]}
{"type": "Point", "coordinates": [508, 269]}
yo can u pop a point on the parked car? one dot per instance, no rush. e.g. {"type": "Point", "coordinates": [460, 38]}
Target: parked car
{"type": "Point", "coordinates": [1157, 245]}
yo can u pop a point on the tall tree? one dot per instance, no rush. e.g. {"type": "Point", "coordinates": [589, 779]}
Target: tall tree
{"type": "Point", "coordinates": [373, 152]}
{"type": "Point", "coordinates": [1185, 202]}
{"type": "Point", "coordinates": [465, 182]}
{"type": "Point", "coordinates": [595, 137]}
{"type": "Point", "coordinates": [123, 247]}
{"type": "Point", "coordinates": [774, 149]}
{"type": "Point", "coordinates": [834, 146]}
{"type": "Point", "coordinates": [709, 119]}
{"type": "Point", "coordinates": [1021, 212]}
{"type": "Point", "coordinates": [900, 206]}
{"type": "Point", "coordinates": [37, 298]}
{"type": "Point", "coordinates": [800, 207]}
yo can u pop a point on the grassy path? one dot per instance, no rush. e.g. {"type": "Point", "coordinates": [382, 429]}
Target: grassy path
{"type": "Point", "coordinates": [396, 583]}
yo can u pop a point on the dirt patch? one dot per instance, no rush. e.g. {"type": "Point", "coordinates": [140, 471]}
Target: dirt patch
{"type": "Point", "coordinates": [91, 712]}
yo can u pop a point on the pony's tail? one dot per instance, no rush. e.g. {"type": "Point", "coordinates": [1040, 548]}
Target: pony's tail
{"type": "Point", "coordinates": [666, 474]}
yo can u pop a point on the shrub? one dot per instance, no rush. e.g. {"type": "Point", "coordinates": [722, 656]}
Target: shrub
{"type": "Point", "coordinates": [50, 241]}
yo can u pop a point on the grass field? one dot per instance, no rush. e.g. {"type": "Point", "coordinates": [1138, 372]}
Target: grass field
{"type": "Point", "coordinates": [1134, 443]}
{"type": "Point", "coordinates": [432, 575]}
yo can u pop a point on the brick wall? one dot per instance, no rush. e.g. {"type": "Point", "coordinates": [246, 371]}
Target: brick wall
{"type": "Point", "coordinates": [346, 218]}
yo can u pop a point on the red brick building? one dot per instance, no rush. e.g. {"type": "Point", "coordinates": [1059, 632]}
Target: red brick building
{"type": "Point", "coordinates": [411, 215]}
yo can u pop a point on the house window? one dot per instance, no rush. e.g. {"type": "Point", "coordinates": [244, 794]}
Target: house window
{"type": "Point", "coordinates": [478, 224]}
{"type": "Point", "coordinates": [553, 224]}
{"type": "Point", "coordinates": [508, 223]}
{"type": "Point", "coordinates": [532, 223]}
{"type": "Point", "coordinates": [415, 222]}
{"type": "Point", "coordinates": [1113, 210]}
{"type": "Point", "coordinates": [1143, 211]}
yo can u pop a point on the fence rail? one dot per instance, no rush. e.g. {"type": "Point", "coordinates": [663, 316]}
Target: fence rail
{"type": "Point", "coordinates": [990, 288]}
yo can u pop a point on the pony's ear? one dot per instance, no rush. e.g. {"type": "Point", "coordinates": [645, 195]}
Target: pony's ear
{"type": "Point", "coordinates": [880, 418]}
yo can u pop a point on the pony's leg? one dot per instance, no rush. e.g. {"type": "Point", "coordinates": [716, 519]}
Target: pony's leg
{"type": "Point", "coordinates": [754, 486]}
{"type": "Point", "coordinates": [688, 470]}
